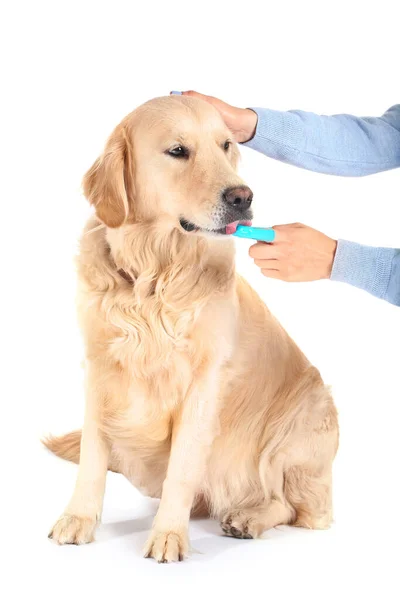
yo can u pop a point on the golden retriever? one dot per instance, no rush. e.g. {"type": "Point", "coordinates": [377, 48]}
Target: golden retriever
{"type": "Point", "coordinates": [194, 391]}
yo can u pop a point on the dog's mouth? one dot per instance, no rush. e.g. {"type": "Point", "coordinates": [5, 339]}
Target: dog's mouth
{"type": "Point", "coordinates": [226, 230]}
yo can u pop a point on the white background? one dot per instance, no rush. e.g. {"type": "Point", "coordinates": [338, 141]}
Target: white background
{"type": "Point", "coordinates": [70, 72]}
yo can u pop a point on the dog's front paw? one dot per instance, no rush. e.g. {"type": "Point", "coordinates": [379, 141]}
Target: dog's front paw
{"type": "Point", "coordinates": [167, 546]}
{"type": "Point", "coordinates": [71, 529]}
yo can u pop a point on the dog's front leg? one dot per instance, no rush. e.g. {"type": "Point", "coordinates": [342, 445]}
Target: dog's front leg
{"type": "Point", "coordinates": [78, 523]}
{"type": "Point", "coordinates": [193, 433]}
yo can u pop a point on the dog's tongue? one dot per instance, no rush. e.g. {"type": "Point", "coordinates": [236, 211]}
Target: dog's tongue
{"type": "Point", "coordinates": [231, 228]}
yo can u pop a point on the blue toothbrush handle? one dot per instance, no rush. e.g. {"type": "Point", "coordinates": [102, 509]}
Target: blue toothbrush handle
{"type": "Point", "coordinates": [255, 233]}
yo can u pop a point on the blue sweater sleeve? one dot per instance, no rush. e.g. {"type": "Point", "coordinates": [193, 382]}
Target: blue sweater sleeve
{"type": "Point", "coordinates": [336, 145]}
{"type": "Point", "coordinates": [375, 270]}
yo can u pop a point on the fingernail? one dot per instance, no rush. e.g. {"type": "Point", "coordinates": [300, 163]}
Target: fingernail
{"type": "Point", "coordinates": [176, 93]}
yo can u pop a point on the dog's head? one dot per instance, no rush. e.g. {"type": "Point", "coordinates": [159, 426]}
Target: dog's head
{"type": "Point", "coordinates": [172, 160]}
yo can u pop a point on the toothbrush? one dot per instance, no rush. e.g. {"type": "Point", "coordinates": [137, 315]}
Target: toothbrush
{"type": "Point", "coordinates": [255, 233]}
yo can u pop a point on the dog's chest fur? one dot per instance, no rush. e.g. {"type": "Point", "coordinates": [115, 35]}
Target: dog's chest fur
{"type": "Point", "coordinates": [156, 351]}
{"type": "Point", "coordinates": [154, 336]}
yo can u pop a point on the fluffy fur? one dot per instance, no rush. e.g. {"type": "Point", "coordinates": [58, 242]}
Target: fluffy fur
{"type": "Point", "coordinates": [194, 391]}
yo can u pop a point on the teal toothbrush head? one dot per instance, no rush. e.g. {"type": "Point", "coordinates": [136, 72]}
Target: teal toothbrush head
{"type": "Point", "coordinates": [255, 233]}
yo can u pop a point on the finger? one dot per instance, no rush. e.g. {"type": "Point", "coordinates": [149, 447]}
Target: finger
{"type": "Point", "coordinates": [210, 99]}
{"type": "Point", "coordinates": [272, 273]}
{"type": "Point", "coordinates": [271, 263]}
{"type": "Point", "coordinates": [263, 251]}
{"type": "Point", "coordinates": [286, 233]}
{"type": "Point", "coordinates": [282, 233]}
{"type": "Point", "coordinates": [223, 107]}
{"type": "Point", "coordinates": [195, 95]}
{"type": "Point", "coordinates": [288, 226]}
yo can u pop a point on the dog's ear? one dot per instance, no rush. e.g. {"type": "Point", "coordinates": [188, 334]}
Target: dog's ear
{"type": "Point", "coordinates": [108, 185]}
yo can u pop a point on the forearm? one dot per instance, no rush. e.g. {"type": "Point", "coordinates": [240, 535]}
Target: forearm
{"type": "Point", "coordinates": [375, 270]}
{"type": "Point", "coordinates": [337, 145]}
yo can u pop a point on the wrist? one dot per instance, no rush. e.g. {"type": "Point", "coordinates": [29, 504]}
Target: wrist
{"type": "Point", "coordinates": [331, 250]}
{"type": "Point", "coordinates": [249, 120]}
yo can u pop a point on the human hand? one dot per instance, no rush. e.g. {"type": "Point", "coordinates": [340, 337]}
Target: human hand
{"type": "Point", "coordinates": [298, 253]}
{"type": "Point", "coordinates": [241, 121]}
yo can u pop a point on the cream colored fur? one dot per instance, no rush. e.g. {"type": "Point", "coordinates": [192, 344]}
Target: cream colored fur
{"type": "Point", "coordinates": [193, 390]}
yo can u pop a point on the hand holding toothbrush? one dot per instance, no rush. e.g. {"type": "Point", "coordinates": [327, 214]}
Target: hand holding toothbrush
{"type": "Point", "coordinates": [297, 253]}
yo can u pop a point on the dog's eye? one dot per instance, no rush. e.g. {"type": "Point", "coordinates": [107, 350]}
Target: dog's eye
{"type": "Point", "coordinates": [179, 152]}
{"type": "Point", "coordinates": [227, 145]}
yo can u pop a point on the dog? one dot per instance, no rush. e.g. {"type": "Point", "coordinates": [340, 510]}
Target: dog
{"type": "Point", "coordinates": [194, 391]}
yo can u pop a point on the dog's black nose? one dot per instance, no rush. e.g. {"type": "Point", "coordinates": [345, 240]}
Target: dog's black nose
{"type": "Point", "coordinates": [239, 197]}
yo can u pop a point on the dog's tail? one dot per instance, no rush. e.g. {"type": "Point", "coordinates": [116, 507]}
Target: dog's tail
{"type": "Point", "coordinates": [68, 447]}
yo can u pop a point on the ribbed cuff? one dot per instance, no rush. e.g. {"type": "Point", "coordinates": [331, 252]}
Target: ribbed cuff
{"type": "Point", "coordinates": [365, 267]}
{"type": "Point", "coordinates": [277, 134]}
